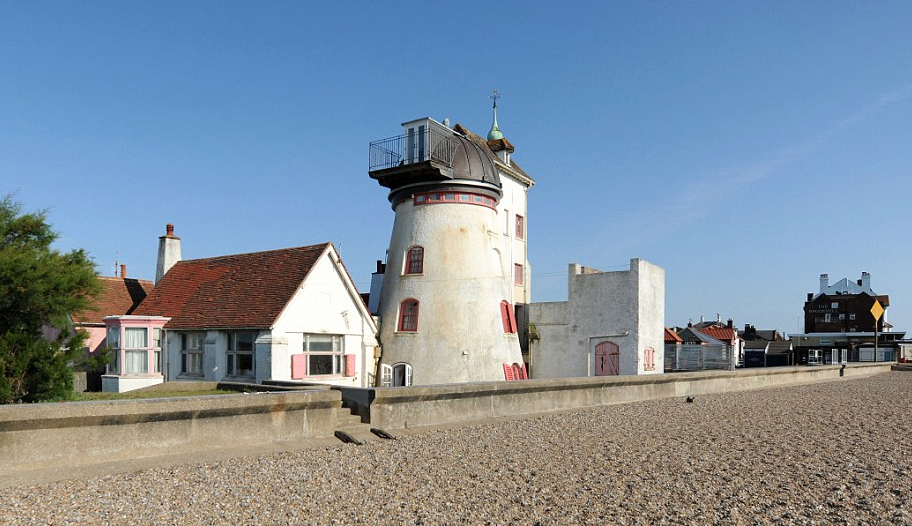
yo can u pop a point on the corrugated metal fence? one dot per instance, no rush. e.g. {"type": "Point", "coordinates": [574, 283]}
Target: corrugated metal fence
{"type": "Point", "coordinates": [697, 357]}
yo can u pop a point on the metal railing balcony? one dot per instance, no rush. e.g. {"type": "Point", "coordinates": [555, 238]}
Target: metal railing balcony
{"type": "Point", "coordinates": [411, 148]}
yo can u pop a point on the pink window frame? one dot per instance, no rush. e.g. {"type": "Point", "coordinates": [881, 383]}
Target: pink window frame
{"type": "Point", "coordinates": [517, 274]}
{"type": "Point", "coordinates": [414, 265]}
{"type": "Point", "coordinates": [464, 198]}
{"type": "Point", "coordinates": [408, 315]}
{"type": "Point", "coordinates": [520, 227]}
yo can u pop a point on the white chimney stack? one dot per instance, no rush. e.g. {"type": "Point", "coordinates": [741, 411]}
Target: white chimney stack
{"type": "Point", "coordinates": [169, 252]}
{"type": "Point", "coordinates": [824, 282]}
{"type": "Point", "coordinates": [865, 281]}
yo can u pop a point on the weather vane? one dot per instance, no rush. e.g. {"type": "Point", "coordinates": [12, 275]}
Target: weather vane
{"type": "Point", "coordinates": [495, 96]}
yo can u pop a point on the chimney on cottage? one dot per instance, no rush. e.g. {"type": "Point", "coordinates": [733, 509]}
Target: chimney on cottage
{"type": "Point", "coordinates": [865, 281]}
{"type": "Point", "coordinates": [123, 270]}
{"type": "Point", "coordinates": [373, 299]}
{"type": "Point", "coordinates": [169, 252]}
{"type": "Point", "coordinates": [824, 282]}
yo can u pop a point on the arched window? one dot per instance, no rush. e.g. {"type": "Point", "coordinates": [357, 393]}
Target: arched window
{"type": "Point", "coordinates": [414, 261]}
{"type": "Point", "coordinates": [408, 315]}
{"type": "Point", "coordinates": [396, 375]}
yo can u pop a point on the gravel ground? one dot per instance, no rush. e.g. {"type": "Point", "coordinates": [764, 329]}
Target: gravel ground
{"type": "Point", "coordinates": [828, 453]}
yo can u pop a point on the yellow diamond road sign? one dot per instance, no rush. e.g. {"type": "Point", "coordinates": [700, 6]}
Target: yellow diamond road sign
{"type": "Point", "coordinates": [877, 310]}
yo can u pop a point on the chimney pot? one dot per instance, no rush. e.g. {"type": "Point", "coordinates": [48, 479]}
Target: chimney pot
{"type": "Point", "coordinates": [123, 270]}
{"type": "Point", "coordinates": [169, 229]}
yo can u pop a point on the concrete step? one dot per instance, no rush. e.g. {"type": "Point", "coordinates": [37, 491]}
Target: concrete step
{"type": "Point", "coordinates": [349, 428]}
{"type": "Point", "coordinates": [346, 418]}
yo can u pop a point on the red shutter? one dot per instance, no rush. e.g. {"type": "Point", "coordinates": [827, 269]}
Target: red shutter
{"type": "Point", "coordinates": [508, 372]}
{"type": "Point", "coordinates": [298, 366]}
{"type": "Point", "coordinates": [504, 316]}
{"type": "Point", "coordinates": [525, 376]}
{"type": "Point", "coordinates": [349, 365]}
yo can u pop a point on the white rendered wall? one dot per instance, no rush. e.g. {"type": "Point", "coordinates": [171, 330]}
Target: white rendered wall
{"type": "Point", "coordinates": [512, 203]}
{"type": "Point", "coordinates": [122, 384]}
{"type": "Point", "coordinates": [325, 304]}
{"type": "Point", "coordinates": [550, 355]}
{"type": "Point", "coordinates": [625, 307]}
{"type": "Point", "coordinates": [460, 336]}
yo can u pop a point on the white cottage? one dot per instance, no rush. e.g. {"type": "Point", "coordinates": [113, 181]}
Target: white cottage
{"type": "Point", "coordinates": [290, 314]}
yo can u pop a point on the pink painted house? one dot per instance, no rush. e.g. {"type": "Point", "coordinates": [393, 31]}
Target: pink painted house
{"type": "Point", "coordinates": [119, 296]}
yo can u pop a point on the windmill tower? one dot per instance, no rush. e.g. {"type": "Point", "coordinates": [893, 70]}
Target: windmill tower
{"type": "Point", "coordinates": [448, 293]}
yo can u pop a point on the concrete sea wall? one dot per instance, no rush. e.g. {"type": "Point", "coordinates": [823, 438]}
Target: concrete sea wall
{"type": "Point", "coordinates": [42, 436]}
{"type": "Point", "coordinates": [38, 436]}
{"type": "Point", "coordinates": [402, 407]}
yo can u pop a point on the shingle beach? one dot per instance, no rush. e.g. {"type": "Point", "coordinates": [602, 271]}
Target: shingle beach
{"type": "Point", "coordinates": [828, 453]}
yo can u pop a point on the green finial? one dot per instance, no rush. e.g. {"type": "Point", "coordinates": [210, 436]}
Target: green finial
{"type": "Point", "coordinates": [495, 132]}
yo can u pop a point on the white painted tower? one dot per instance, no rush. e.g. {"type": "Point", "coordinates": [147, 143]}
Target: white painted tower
{"type": "Point", "coordinates": [449, 290]}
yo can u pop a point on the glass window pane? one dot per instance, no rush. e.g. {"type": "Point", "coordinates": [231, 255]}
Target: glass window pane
{"type": "Point", "coordinates": [323, 364]}
{"type": "Point", "coordinates": [136, 362]}
{"type": "Point", "coordinates": [244, 364]}
{"type": "Point", "coordinates": [245, 342]}
{"type": "Point", "coordinates": [114, 337]}
{"type": "Point", "coordinates": [135, 337]}
{"type": "Point", "coordinates": [322, 343]}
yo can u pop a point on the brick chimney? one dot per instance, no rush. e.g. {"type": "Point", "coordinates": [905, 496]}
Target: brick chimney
{"type": "Point", "coordinates": [169, 252]}
{"type": "Point", "coordinates": [123, 270]}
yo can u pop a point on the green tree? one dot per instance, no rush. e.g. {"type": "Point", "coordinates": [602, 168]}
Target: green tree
{"type": "Point", "coordinates": [39, 288]}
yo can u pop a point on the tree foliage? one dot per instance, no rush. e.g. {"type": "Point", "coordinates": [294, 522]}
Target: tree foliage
{"type": "Point", "coordinates": [39, 288]}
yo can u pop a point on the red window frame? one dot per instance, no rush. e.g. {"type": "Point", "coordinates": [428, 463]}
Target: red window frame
{"type": "Point", "coordinates": [408, 315]}
{"type": "Point", "coordinates": [520, 227]}
{"type": "Point", "coordinates": [414, 261]}
{"type": "Point", "coordinates": [517, 274]}
{"type": "Point", "coordinates": [454, 198]}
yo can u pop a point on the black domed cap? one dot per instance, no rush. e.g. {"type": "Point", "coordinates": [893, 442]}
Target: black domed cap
{"type": "Point", "coordinates": [471, 162]}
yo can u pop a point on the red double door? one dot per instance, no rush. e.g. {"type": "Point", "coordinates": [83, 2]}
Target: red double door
{"type": "Point", "coordinates": [607, 359]}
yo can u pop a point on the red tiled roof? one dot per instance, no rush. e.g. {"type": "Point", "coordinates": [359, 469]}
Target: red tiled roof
{"type": "Point", "coordinates": [240, 291]}
{"type": "Point", "coordinates": [118, 296]}
{"type": "Point", "coordinates": [671, 336]}
{"type": "Point", "coordinates": [724, 334]}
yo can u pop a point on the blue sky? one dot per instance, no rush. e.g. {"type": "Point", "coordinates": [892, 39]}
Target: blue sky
{"type": "Point", "coordinates": [746, 147]}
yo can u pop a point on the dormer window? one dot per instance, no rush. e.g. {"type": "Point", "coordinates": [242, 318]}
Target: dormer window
{"type": "Point", "coordinates": [414, 261]}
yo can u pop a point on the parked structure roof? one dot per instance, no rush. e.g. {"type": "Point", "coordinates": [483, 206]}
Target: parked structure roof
{"type": "Point", "coordinates": [726, 334]}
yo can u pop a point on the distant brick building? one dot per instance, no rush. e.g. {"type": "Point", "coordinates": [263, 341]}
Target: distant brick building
{"type": "Point", "coordinates": [840, 327]}
{"type": "Point", "coordinates": [844, 307]}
